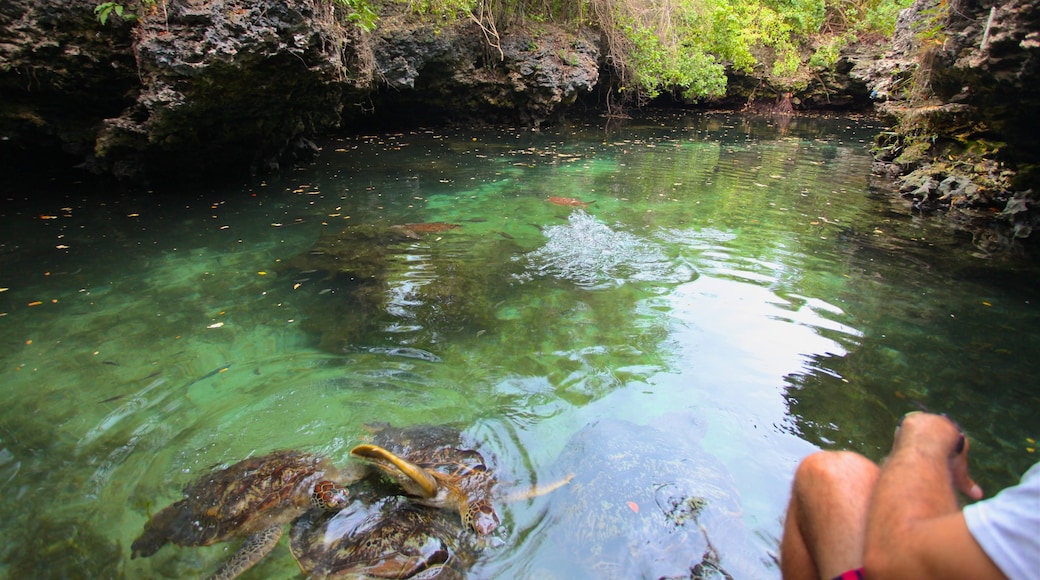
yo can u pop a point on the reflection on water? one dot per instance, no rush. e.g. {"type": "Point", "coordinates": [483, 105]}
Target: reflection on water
{"type": "Point", "coordinates": [724, 298]}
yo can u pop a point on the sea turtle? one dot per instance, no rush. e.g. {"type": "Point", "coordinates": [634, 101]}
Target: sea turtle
{"type": "Point", "coordinates": [416, 230]}
{"type": "Point", "coordinates": [569, 201]}
{"type": "Point", "coordinates": [381, 535]}
{"type": "Point", "coordinates": [253, 498]}
{"type": "Point", "coordinates": [431, 463]}
{"type": "Point", "coordinates": [644, 503]}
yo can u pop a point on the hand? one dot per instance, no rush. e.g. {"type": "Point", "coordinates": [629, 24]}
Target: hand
{"type": "Point", "coordinates": [939, 437]}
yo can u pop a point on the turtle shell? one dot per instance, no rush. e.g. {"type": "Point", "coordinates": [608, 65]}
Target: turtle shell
{"type": "Point", "coordinates": [460, 477]}
{"type": "Point", "coordinates": [250, 496]}
{"type": "Point", "coordinates": [381, 535]}
{"type": "Point", "coordinates": [642, 504]}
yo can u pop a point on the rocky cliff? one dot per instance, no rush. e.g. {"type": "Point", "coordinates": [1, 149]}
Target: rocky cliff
{"type": "Point", "coordinates": [199, 85]}
{"type": "Point", "coordinates": [960, 84]}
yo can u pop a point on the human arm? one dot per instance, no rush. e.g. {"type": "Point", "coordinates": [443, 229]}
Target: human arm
{"type": "Point", "coordinates": [915, 528]}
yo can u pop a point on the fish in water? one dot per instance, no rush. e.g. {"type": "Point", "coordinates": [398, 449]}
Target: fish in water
{"type": "Point", "coordinates": [212, 373]}
{"type": "Point", "coordinates": [416, 230]}
{"type": "Point", "coordinates": [569, 202]}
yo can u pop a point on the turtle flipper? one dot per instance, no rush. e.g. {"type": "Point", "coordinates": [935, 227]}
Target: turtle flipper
{"type": "Point", "coordinates": [538, 490]}
{"type": "Point", "coordinates": [256, 547]}
{"type": "Point", "coordinates": [422, 483]}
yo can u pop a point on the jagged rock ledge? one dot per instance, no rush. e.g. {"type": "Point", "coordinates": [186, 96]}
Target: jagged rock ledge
{"type": "Point", "coordinates": [961, 89]}
{"type": "Point", "coordinates": [199, 85]}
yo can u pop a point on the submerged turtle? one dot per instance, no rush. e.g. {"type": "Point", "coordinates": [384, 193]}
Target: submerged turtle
{"type": "Point", "coordinates": [253, 498]}
{"type": "Point", "coordinates": [644, 504]}
{"type": "Point", "coordinates": [381, 535]}
{"type": "Point", "coordinates": [416, 230]}
{"type": "Point", "coordinates": [431, 464]}
{"type": "Point", "coordinates": [569, 201]}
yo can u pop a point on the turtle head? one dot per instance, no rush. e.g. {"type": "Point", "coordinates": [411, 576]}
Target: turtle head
{"type": "Point", "coordinates": [480, 517]}
{"type": "Point", "coordinates": [330, 496]}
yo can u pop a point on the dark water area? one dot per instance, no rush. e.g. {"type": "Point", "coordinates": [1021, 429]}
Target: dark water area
{"type": "Point", "coordinates": [673, 308]}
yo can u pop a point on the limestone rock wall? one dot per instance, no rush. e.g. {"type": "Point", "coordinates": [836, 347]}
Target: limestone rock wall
{"type": "Point", "coordinates": [220, 85]}
{"type": "Point", "coordinates": [59, 76]}
{"type": "Point", "coordinates": [961, 86]}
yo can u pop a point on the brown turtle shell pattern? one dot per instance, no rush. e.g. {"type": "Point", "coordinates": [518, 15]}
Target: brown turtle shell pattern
{"type": "Point", "coordinates": [247, 497]}
{"type": "Point", "coordinates": [380, 535]}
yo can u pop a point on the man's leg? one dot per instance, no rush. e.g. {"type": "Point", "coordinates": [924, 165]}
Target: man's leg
{"type": "Point", "coordinates": [827, 517]}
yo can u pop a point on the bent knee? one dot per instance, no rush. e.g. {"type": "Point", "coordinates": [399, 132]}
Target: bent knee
{"type": "Point", "coordinates": [837, 466]}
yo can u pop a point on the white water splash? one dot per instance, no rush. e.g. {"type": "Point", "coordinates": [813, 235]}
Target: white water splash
{"type": "Point", "coordinates": [591, 254]}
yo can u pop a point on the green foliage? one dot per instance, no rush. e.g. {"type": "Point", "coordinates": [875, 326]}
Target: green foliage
{"type": "Point", "coordinates": [361, 13]}
{"type": "Point", "coordinates": [880, 16]}
{"type": "Point", "coordinates": [827, 54]}
{"type": "Point", "coordinates": [798, 16]}
{"type": "Point", "coordinates": [102, 11]}
{"type": "Point", "coordinates": [659, 65]}
{"type": "Point", "coordinates": [442, 9]}
{"type": "Point", "coordinates": [105, 9]}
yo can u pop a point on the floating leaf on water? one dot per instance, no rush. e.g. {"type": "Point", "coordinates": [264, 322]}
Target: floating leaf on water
{"type": "Point", "coordinates": [35, 303]}
{"type": "Point", "coordinates": [261, 273]}
{"type": "Point", "coordinates": [984, 303]}
{"type": "Point", "coordinates": [216, 325]}
{"type": "Point", "coordinates": [633, 506]}
{"type": "Point", "coordinates": [62, 247]}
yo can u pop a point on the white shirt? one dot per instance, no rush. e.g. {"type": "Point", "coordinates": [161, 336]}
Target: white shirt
{"type": "Point", "coordinates": [1007, 526]}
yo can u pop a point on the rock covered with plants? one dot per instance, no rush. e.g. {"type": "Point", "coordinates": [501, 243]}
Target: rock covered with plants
{"type": "Point", "coordinates": [961, 89]}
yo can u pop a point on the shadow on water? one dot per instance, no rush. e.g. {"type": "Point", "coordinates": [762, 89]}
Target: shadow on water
{"type": "Point", "coordinates": [674, 311]}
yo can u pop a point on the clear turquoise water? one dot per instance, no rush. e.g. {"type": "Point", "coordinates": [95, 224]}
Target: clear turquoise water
{"type": "Point", "coordinates": [743, 288]}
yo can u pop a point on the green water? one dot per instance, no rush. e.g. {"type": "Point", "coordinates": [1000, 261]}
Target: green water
{"type": "Point", "coordinates": [745, 289]}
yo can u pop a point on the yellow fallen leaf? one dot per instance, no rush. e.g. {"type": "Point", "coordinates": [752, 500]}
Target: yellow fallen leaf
{"type": "Point", "coordinates": [261, 273]}
{"type": "Point", "coordinates": [35, 303]}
